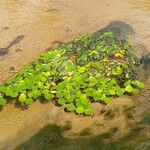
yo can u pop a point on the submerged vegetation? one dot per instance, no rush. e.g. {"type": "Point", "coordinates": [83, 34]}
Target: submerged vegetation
{"type": "Point", "coordinates": [51, 137]}
{"type": "Point", "coordinates": [89, 68]}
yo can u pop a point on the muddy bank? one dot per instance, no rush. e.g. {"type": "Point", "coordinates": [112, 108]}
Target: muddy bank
{"type": "Point", "coordinates": [44, 24]}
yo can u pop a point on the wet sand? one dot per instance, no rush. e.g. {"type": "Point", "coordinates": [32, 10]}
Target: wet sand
{"type": "Point", "coordinates": [43, 24]}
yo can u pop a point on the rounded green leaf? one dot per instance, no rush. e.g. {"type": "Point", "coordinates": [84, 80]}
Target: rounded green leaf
{"type": "Point", "coordinates": [2, 89]}
{"type": "Point", "coordinates": [103, 97]}
{"type": "Point", "coordinates": [43, 79]}
{"type": "Point", "coordinates": [112, 92]}
{"type": "Point", "coordinates": [29, 101]}
{"type": "Point", "coordinates": [2, 101]}
{"type": "Point", "coordinates": [128, 88]}
{"type": "Point", "coordinates": [138, 84]}
{"type": "Point", "coordinates": [35, 94]}
{"type": "Point", "coordinates": [22, 98]}
{"type": "Point", "coordinates": [71, 107]}
{"type": "Point", "coordinates": [61, 101]}
{"type": "Point", "coordinates": [80, 110]}
{"type": "Point", "coordinates": [135, 91]}
{"type": "Point", "coordinates": [8, 91]}
{"type": "Point", "coordinates": [127, 83]}
{"type": "Point", "coordinates": [81, 69]}
{"type": "Point", "coordinates": [14, 94]}
{"type": "Point", "coordinates": [88, 111]}
{"type": "Point", "coordinates": [79, 103]}
{"type": "Point", "coordinates": [119, 91]}
{"type": "Point", "coordinates": [107, 100]}
{"type": "Point", "coordinates": [48, 96]}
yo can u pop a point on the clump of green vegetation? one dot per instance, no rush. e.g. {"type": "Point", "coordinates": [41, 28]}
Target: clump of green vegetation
{"type": "Point", "coordinates": [88, 69]}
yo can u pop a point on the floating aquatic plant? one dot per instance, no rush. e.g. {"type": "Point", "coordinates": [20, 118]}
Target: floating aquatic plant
{"type": "Point", "coordinates": [87, 69]}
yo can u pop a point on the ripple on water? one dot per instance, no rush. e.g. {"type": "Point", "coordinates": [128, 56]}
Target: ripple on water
{"type": "Point", "coordinates": [143, 4]}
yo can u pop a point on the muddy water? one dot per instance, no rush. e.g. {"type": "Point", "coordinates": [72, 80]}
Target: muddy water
{"type": "Point", "coordinates": [30, 27]}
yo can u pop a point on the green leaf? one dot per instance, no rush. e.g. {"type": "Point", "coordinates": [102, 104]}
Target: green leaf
{"type": "Point", "coordinates": [112, 92]}
{"type": "Point", "coordinates": [119, 70]}
{"type": "Point", "coordinates": [29, 82]}
{"type": "Point", "coordinates": [59, 94]}
{"type": "Point", "coordinates": [81, 69]}
{"type": "Point", "coordinates": [103, 97]}
{"type": "Point", "coordinates": [43, 79]}
{"type": "Point", "coordinates": [2, 101]}
{"type": "Point", "coordinates": [135, 91]}
{"type": "Point", "coordinates": [2, 89]}
{"type": "Point", "coordinates": [88, 111]}
{"type": "Point", "coordinates": [45, 91]}
{"type": "Point", "coordinates": [40, 85]}
{"type": "Point", "coordinates": [8, 91]}
{"type": "Point", "coordinates": [107, 100]}
{"type": "Point", "coordinates": [34, 94]}
{"type": "Point", "coordinates": [120, 91]}
{"type": "Point", "coordinates": [47, 74]}
{"type": "Point", "coordinates": [14, 94]}
{"type": "Point", "coordinates": [97, 98]}
{"type": "Point", "coordinates": [29, 101]}
{"type": "Point", "coordinates": [79, 103]}
{"type": "Point", "coordinates": [70, 98]}
{"type": "Point", "coordinates": [71, 107]}
{"type": "Point", "coordinates": [127, 76]}
{"type": "Point", "coordinates": [22, 98]}
{"type": "Point", "coordinates": [128, 88]}
{"type": "Point", "coordinates": [92, 81]}
{"type": "Point", "coordinates": [138, 84]}
{"type": "Point", "coordinates": [113, 81]}
{"type": "Point", "coordinates": [48, 96]}
{"type": "Point", "coordinates": [61, 101]}
{"type": "Point", "coordinates": [127, 83]}
{"type": "Point", "coordinates": [79, 110]}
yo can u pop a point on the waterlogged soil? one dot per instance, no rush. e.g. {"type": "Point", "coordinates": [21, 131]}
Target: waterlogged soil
{"type": "Point", "coordinates": [30, 27]}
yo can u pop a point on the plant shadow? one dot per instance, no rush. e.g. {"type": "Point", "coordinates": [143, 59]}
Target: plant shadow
{"type": "Point", "coordinates": [120, 28]}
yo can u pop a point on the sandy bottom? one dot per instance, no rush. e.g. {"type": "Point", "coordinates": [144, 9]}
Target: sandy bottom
{"type": "Point", "coordinates": [30, 27]}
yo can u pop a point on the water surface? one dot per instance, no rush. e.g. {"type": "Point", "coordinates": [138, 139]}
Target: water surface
{"type": "Point", "coordinates": [122, 125]}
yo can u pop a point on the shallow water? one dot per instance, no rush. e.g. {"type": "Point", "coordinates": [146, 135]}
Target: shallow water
{"type": "Point", "coordinates": [143, 4]}
{"type": "Point", "coordinates": [51, 137]}
{"type": "Point", "coordinates": [122, 125]}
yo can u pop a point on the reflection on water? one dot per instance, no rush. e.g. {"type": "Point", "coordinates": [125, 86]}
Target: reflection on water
{"type": "Point", "coordinates": [143, 4]}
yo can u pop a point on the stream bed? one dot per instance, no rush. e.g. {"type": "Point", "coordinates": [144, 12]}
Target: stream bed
{"type": "Point", "coordinates": [30, 27]}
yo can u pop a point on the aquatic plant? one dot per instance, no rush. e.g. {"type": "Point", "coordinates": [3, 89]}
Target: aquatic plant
{"type": "Point", "coordinates": [87, 69]}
